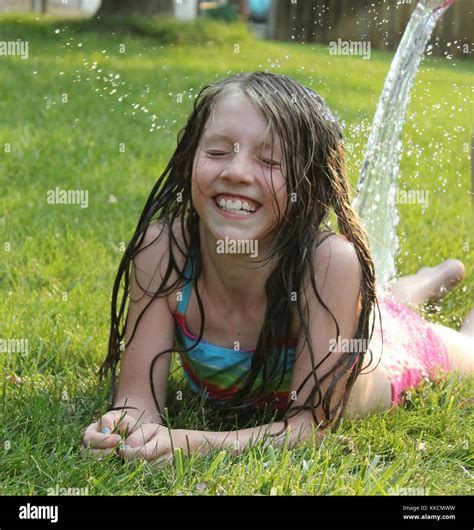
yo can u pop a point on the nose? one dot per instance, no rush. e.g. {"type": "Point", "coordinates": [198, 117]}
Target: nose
{"type": "Point", "coordinates": [239, 168]}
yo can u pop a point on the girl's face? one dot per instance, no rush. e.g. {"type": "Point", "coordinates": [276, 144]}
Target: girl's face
{"type": "Point", "coordinates": [232, 170]}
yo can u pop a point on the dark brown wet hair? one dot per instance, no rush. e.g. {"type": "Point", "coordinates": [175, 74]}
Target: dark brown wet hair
{"type": "Point", "coordinates": [314, 161]}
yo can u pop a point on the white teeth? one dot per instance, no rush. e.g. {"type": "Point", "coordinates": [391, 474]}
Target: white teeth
{"type": "Point", "coordinates": [238, 205]}
{"type": "Point", "coordinates": [237, 212]}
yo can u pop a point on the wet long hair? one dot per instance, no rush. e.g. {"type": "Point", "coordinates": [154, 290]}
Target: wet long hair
{"type": "Point", "coordinates": [314, 161]}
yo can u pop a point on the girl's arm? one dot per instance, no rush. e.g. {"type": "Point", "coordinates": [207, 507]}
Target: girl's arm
{"type": "Point", "coordinates": [299, 430]}
{"type": "Point", "coordinates": [155, 332]}
{"type": "Point", "coordinates": [338, 279]}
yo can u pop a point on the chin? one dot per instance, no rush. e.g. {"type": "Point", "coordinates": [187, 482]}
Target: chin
{"type": "Point", "coordinates": [221, 232]}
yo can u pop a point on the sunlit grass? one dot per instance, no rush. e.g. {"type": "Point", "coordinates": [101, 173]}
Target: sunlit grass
{"type": "Point", "coordinates": [58, 262]}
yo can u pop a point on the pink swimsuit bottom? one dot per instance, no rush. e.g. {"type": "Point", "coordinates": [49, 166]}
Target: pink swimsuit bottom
{"type": "Point", "coordinates": [412, 351]}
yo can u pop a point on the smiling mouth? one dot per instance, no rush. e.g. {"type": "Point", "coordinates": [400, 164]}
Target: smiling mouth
{"type": "Point", "coordinates": [236, 204]}
{"type": "Point", "coordinates": [239, 207]}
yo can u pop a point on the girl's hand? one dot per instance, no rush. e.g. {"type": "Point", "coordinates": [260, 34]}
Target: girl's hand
{"type": "Point", "coordinates": [105, 434]}
{"type": "Point", "coordinates": [152, 442]}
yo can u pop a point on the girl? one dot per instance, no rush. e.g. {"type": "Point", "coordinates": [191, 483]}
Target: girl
{"type": "Point", "coordinates": [230, 266]}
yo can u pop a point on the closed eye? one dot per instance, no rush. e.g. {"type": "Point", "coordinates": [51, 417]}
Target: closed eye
{"type": "Point", "coordinates": [271, 162]}
{"type": "Point", "coordinates": [215, 153]}
{"type": "Point", "coordinates": [265, 160]}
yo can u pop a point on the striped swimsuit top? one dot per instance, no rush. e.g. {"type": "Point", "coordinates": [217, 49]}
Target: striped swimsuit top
{"type": "Point", "coordinates": [216, 372]}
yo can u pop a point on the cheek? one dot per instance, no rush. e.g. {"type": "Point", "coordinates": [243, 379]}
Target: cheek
{"type": "Point", "coordinates": [201, 185]}
{"type": "Point", "coordinates": [202, 171]}
{"type": "Point", "coordinates": [277, 190]}
{"type": "Point", "coordinates": [282, 198]}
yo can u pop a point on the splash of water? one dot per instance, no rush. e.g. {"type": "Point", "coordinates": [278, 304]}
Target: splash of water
{"type": "Point", "coordinates": [375, 198]}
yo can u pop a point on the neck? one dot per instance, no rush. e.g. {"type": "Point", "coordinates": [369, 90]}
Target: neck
{"type": "Point", "coordinates": [237, 278]}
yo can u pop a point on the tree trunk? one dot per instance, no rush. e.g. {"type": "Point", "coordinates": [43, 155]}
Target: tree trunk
{"type": "Point", "coordinates": [281, 20]}
{"type": "Point", "coordinates": [244, 10]}
{"type": "Point", "coordinates": [137, 7]}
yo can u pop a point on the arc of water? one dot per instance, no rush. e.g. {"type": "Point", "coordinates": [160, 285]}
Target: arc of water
{"type": "Point", "coordinates": [375, 198]}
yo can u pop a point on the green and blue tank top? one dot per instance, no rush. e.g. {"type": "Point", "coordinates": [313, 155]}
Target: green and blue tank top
{"type": "Point", "coordinates": [217, 372]}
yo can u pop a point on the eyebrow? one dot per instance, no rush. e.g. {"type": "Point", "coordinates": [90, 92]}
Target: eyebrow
{"type": "Point", "coordinates": [227, 137]}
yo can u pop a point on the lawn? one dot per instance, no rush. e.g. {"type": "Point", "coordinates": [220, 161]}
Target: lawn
{"type": "Point", "coordinates": [100, 112]}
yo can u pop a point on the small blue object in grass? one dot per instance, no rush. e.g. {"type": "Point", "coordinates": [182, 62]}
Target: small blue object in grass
{"type": "Point", "coordinates": [105, 430]}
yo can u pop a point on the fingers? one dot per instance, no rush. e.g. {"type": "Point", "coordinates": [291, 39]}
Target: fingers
{"type": "Point", "coordinates": [117, 421]}
{"type": "Point", "coordinates": [150, 441]}
{"type": "Point", "coordinates": [92, 438]}
{"type": "Point", "coordinates": [108, 430]}
{"type": "Point", "coordinates": [107, 421]}
{"type": "Point", "coordinates": [143, 434]}
{"type": "Point", "coordinates": [99, 434]}
{"type": "Point", "coordinates": [157, 449]}
{"type": "Point", "coordinates": [96, 453]}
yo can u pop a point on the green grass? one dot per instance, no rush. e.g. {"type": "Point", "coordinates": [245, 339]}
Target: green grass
{"type": "Point", "coordinates": [58, 262]}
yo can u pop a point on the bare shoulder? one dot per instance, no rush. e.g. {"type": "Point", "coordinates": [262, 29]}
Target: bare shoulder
{"type": "Point", "coordinates": [151, 248]}
{"type": "Point", "coordinates": [152, 257]}
{"type": "Point", "coordinates": [334, 248]}
{"type": "Point", "coordinates": [338, 272]}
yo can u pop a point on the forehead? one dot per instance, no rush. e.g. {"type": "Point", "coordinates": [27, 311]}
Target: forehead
{"type": "Point", "coordinates": [215, 136]}
{"type": "Point", "coordinates": [234, 118]}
